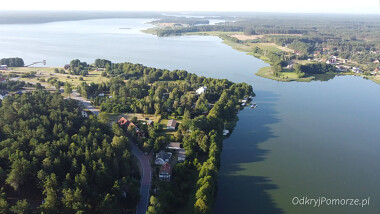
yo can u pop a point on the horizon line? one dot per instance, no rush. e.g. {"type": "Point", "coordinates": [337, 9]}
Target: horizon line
{"type": "Point", "coordinates": [190, 11]}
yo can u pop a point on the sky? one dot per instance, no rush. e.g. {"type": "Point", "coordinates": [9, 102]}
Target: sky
{"type": "Point", "coordinates": [304, 6]}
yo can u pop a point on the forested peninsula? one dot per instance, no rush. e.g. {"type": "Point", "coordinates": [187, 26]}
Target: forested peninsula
{"type": "Point", "coordinates": [59, 158]}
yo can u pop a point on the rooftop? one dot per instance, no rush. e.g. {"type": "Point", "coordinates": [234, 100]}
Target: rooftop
{"type": "Point", "coordinates": [166, 169]}
{"type": "Point", "coordinates": [172, 123]}
{"type": "Point", "coordinates": [174, 145]}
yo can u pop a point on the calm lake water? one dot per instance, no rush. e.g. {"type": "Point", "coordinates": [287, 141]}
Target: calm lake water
{"type": "Point", "coordinates": [318, 139]}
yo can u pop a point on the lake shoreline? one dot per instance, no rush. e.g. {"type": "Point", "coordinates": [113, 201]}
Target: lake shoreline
{"type": "Point", "coordinates": [263, 72]}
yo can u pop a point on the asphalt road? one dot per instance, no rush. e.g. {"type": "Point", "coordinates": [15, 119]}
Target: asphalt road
{"type": "Point", "coordinates": [146, 179]}
{"type": "Point", "coordinates": [86, 103]}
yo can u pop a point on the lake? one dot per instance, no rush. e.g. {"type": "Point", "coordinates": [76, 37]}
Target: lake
{"type": "Point", "coordinates": [317, 139]}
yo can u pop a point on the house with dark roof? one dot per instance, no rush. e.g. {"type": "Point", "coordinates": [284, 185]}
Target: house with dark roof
{"type": "Point", "coordinates": [172, 124]}
{"type": "Point", "coordinates": [165, 172]}
{"type": "Point", "coordinates": [162, 157]}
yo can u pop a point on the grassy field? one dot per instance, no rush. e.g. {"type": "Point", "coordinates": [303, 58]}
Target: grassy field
{"type": "Point", "coordinates": [266, 72]}
{"type": "Point", "coordinates": [45, 73]}
{"type": "Point", "coordinates": [303, 62]}
{"type": "Point", "coordinates": [270, 47]}
{"type": "Point", "coordinates": [152, 30]}
{"type": "Point", "coordinates": [238, 46]}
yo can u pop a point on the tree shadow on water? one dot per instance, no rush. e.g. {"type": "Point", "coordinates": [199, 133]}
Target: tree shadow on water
{"type": "Point", "coordinates": [239, 191]}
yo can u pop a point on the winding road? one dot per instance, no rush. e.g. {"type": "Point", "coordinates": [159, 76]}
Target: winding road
{"type": "Point", "coordinates": [146, 179]}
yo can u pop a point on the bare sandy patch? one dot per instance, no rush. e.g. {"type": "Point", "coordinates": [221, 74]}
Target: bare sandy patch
{"type": "Point", "coordinates": [252, 37]}
{"type": "Point", "coordinates": [246, 37]}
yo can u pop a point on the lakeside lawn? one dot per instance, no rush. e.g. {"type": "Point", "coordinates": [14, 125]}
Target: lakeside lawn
{"type": "Point", "coordinates": [267, 72]}
{"type": "Point", "coordinates": [48, 72]}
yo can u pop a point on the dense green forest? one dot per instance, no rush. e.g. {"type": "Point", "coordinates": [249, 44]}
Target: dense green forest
{"type": "Point", "coordinates": [55, 161]}
{"type": "Point", "coordinates": [314, 68]}
{"type": "Point", "coordinates": [12, 62]}
{"type": "Point", "coordinates": [201, 28]}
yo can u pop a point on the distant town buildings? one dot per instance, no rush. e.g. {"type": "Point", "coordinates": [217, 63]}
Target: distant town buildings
{"type": "Point", "coordinates": [331, 60]}
{"type": "Point", "coordinates": [357, 70]}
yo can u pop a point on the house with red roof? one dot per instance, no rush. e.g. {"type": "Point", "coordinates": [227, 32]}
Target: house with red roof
{"type": "Point", "coordinates": [126, 123]}
{"type": "Point", "coordinates": [165, 172]}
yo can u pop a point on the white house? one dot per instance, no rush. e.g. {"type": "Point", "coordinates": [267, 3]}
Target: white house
{"type": "Point", "coordinates": [332, 60]}
{"type": "Point", "coordinates": [84, 114]}
{"type": "Point", "coordinates": [356, 70]}
{"type": "Point", "coordinates": [201, 90]}
{"type": "Point", "coordinates": [101, 95]}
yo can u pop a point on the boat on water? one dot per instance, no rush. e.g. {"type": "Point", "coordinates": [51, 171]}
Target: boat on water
{"type": "Point", "coordinates": [254, 105]}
